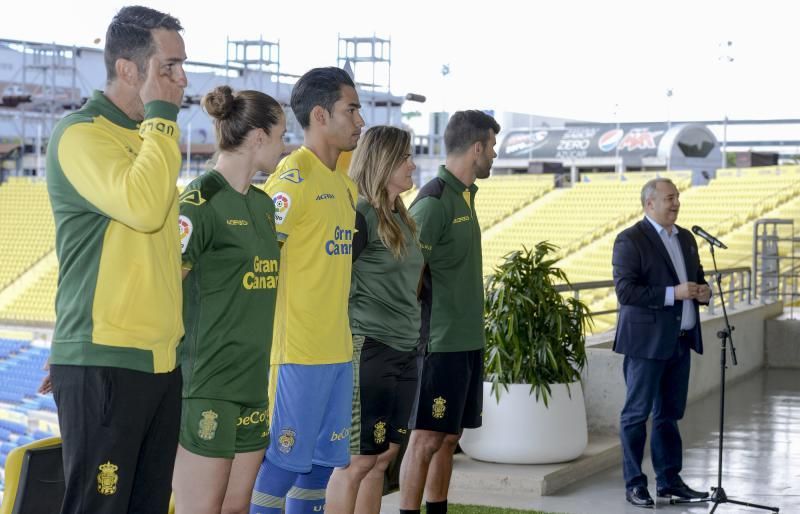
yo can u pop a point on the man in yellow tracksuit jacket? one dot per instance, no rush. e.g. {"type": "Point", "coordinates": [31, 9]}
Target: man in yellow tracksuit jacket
{"type": "Point", "coordinates": [112, 168]}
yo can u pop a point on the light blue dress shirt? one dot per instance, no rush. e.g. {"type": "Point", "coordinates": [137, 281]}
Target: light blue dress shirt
{"type": "Point", "coordinates": [673, 246]}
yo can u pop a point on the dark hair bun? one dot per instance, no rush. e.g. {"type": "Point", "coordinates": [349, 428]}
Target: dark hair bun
{"type": "Point", "coordinates": [218, 102]}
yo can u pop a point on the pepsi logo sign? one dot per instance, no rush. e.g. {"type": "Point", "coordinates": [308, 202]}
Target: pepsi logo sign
{"type": "Point", "coordinates": [610, 139]}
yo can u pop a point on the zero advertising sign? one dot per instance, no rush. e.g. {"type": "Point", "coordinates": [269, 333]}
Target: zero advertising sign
{"type": "Point", "coordinates": [581, 142]}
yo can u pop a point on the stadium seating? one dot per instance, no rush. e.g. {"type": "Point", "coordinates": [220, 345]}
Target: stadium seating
{"type": "Point", "coordinates": [569, 218]}
{"type": "Point", "coordinates": [502, 195]}
{"type": "Point", "coordinates": [740, 240]}
{"type": "Point", "coordinates": [25, 415]}
{"type": "Point", "coordinates": [37, 302]}
{"type": "Point", "coordinates": [728, 205]}
{"type": "Point", "coordinates": [22, 373]}
{"type": "Point", "coordinates": [27, 232]}
{"type": "Point", "coordinates": [514, 210]}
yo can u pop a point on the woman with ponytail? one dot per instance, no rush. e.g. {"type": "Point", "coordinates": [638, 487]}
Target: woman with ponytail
{"type": "Point", "coordinates": [230, 269]}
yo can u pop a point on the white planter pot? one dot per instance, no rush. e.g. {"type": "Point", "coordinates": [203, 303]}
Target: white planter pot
{"type": "Point", "coordinates": [520, 430]}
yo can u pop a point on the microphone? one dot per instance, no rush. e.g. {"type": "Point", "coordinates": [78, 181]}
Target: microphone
{"type": "Point", "coordinates": [713, 241]}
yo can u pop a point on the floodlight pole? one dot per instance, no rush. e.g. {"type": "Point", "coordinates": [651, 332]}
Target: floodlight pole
{"type": "Point", "coordinates": [725, 57]}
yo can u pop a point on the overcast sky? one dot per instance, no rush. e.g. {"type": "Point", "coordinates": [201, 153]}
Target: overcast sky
{"type": "Point", "coordinates": [574, 59]}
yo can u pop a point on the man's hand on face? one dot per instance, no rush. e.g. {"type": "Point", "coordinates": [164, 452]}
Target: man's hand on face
{"type": "Point", "coordinates": [161, 84]}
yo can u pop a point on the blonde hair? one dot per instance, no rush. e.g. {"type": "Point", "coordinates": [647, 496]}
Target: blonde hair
{"type": "Point", "coordinates": [378, 154]}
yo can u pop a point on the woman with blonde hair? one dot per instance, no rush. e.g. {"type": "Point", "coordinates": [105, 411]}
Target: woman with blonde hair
{"type": "Point", "coordinates": [384, 318]}
{"type": "Point", "coordinates": [230, 269]}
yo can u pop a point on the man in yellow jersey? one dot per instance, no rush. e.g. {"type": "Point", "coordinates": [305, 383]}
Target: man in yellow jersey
{"type": "Point", "coordinates": [111, 173]}
{"type": "Point", "coordinates": [311, 376]}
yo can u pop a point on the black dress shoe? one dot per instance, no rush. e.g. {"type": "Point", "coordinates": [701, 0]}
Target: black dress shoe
{"type": "Point", "coordinates": [680, 490]}
{"type": "Point", "coordinates": [639, 496]}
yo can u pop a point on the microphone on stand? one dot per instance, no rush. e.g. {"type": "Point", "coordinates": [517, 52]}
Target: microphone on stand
{"type": "Point", "coordinates": [708, 237]}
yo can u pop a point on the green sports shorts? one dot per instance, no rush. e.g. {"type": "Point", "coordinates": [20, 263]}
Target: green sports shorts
{"type": "Point", "coordinates": [217, 428]}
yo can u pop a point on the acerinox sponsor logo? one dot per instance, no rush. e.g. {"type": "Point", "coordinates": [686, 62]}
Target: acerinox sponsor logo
{"type": "Point", "coordinates": [639, 139]}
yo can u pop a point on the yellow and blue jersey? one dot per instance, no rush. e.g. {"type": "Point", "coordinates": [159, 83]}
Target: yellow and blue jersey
{"type": "Point", "coordinates": [315, 219]}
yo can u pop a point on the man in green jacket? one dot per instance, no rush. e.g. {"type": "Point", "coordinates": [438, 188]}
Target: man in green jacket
{"type": "Point", "coordinates": [111, 173]}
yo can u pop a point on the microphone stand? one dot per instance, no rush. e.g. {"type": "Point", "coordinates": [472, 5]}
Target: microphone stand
{"type": "Point", "coordinates": [718, 494]}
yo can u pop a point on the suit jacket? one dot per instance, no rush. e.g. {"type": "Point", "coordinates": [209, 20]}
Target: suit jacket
{"type": "Point", "coordinates": [643, 270]}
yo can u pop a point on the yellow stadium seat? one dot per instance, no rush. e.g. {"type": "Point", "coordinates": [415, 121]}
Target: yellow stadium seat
{"type": "Point", "coordinates": [34, 478]}
{"type": "Point", "coordinates": [27, 231]}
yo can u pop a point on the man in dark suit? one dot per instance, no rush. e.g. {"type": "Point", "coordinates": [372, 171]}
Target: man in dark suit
{"type": "Point", "coordinates": [659, 284]}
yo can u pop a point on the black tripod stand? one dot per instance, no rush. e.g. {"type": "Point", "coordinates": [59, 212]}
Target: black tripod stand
{"type": "Point", "coordinates": [718, 493]}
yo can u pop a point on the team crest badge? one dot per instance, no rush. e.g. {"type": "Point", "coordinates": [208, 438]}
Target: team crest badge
{"type": "Point", "coordinates": [286, 440]}
{"type": "Point", "coordinates": [107, 479]}
{"type": "Point", "coordinates": [207, 427]}
{"type": "Point", "coordinates": [380, 432]}
{"type": "Point", "coordinates": [292, 176]}
{"type": "Point", "coordinates": [439, 407]}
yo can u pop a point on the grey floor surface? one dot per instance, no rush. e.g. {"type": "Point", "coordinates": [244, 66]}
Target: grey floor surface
{"type": "Point", "coordinates": [761, 457]}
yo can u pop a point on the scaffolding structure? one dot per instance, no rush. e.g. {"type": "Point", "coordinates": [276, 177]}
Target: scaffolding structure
{"type": "Point", "coordinates": [372, 51]}
{"type": "Point", "coordinates": [40, 82]}
{"type": "Point", "coordinates": [253, 59]}
{"type": "Point", "coordinates": [47, 86]}
{"type": "Point", "coordinates": [356, 53]}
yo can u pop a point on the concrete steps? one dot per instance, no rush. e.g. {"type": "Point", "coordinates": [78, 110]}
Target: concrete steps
{"type": "Point", "coordinates": [602, 452]}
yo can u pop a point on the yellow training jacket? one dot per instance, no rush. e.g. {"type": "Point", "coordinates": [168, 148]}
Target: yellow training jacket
{"type": "Point", "coordinates": [111, 182]}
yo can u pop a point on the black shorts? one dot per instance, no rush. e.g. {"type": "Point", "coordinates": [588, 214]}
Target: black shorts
{"type": "Point", "coordinates": [384, 385]}
{"type": "Point", "coordinates": [450, 396]}
{"type": "Point", "coordinates": [119, 431]}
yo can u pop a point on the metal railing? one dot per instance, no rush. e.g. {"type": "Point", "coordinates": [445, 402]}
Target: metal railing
{"type": "Point", "coordinates": [772, 246]}
{"type": "Point", "coordinates": [743, 276]}
{"type": "Point", "coordinates": [736, 286]}
{"type": "Point", "coordinates": [769, 280]}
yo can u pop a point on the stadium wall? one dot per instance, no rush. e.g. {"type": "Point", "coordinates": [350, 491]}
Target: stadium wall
{"type": "Point", "coordinates": [603, 384]}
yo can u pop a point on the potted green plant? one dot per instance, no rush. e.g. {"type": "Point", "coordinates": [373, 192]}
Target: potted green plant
{"type": "Point", "coordinates": [533, 409]}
